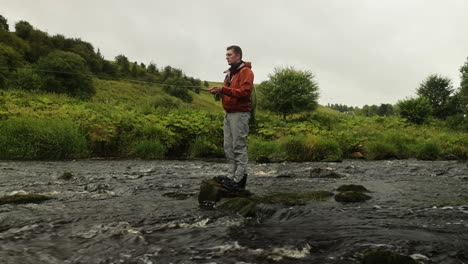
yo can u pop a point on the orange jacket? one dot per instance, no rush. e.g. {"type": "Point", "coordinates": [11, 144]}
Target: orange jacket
{"type": "Point", "coordinates": [236, 97]}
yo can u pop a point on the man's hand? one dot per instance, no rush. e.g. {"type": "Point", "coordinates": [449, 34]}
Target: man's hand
{"type": "Point", "coordinates": [215, 90]}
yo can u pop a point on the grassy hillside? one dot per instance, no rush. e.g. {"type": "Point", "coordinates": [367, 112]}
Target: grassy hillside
{"type": "Point", "coordinates": [125, 119]}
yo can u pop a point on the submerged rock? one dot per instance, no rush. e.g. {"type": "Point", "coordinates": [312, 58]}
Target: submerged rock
{"type": "Point", "coordinates": [178, 195]}
{"type": "Point", "coordinates": [324, 173]}
{"type": "Point", "coordinates": [352, 187]}
{"type": "Point", "coordinates": [66, 176]}
{"type": "Point", "coordinates": [23, 198]}
{"type": "Point", "coordinates": [255, 206]}
{"type": "Point", "coordinates": [386, 257]}
{"type": "Point", "coordinates": [351, 197]}
{"type": "Point", "coordinates": [212, 192]}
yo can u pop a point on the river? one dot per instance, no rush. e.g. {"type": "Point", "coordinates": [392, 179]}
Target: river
{"type": "Point", "coordinates": [136, 211]}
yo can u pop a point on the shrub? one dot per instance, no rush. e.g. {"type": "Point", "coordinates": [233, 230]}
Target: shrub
{"type": "Point", "coordinates": [203, 147]}
{"type": "Point", "coordinates": [264, 150]}
{"type": "Point", "coordinates": [428, 151]}
{"type": "Point", "coordinates": [379, 150]}
{"type": "Point", "coordinates": [416, 110]}
{"type": "Point", "coordinates": [149, 149]}
{"type": "Point", "coordinates": [30, 138]}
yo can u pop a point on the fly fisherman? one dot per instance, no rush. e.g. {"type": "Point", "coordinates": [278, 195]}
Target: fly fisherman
{"type": "Point", "coordinates": [236, 98]}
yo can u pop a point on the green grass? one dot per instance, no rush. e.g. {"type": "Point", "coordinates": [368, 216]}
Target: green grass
{"type": "Point", "coordinates": [126, 119]}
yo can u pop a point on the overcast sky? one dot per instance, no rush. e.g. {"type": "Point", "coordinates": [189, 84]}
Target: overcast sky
{"type": "Point", "coordinates": [361, 51]}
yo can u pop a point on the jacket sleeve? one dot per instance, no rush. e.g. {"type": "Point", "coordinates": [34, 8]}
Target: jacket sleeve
{"type": "Point", "coordinates": [246, 79]}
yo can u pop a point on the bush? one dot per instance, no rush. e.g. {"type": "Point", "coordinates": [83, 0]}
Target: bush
{"type": "Point", "coordinates": [30, 138]}
{"type": "Point", "coordinates": [261, 150]}
{"type": "Point", "coordinates": [311, 148]}
{"type": "Point", "coordinates": [416, 110]}
{"type": "Point", "coordinates": [203, 147]}
{"type": "Point", "coordinates": [380, 150]}
{"type": "Point", "coordinates": [149, 149]}
{"type": "Point", "coordinates": [428, 151]}
{"type": "Point", "coordinates": [26, 80]}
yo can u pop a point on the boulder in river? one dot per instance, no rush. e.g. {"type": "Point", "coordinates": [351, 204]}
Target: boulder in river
{"type": "Point", "coordinates": [23, 198]}
{"type": "Point", "coordinates": [212, 192]}
{"type": "Point", "coordinates": [351, 197]}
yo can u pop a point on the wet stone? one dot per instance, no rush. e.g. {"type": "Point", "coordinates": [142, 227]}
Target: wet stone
{"type": "Point", "coordinates": [386, 257]}
{"type": "Point", "coordinates": [66, 176]}
{"type": "Point", "coordinates": [23, 198]}
{"type": "Point", "coordinates": [212, 192]}
{"type": "Point", "coordinates": [324, 173]}
{"type": "Point", "coordinates": [351, 197]}
{"type": "Point", "coordinates": [178, 195]}
{"type": "Point", "coordinates": [261, 206]}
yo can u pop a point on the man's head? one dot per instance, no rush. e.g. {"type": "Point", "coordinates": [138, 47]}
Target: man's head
{"type": "Point", "coordinates": [233, 54]}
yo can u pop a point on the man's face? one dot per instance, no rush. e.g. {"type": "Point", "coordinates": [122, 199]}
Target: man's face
{"type": "Point", "coordinates": [231, 57]}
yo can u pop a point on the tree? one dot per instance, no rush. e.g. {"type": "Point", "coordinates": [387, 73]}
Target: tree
{"type": "Point", "coordinates": [4, 24]}
{"type": "Point", "coordinates": [65, 72]}
{"type": "Point", "coordinates": [385, 110]}
{"type": "Point", "coordinates": [437, 90]}
{"type": "Point", "coordinates": [124, 64]}
{"type": "Point", "coordinates": [462, 94]}
{"type": "Point", "coordinates": [415, 110]}
{"type": "Point", "coordinates": [9, 61]}
{"type": "Point", "coordinates": [23, 29]}
{"type": "Point", "coordinates": [289, 91]}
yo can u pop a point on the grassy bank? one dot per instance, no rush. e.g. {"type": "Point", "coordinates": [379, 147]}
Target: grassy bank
{"type": "Point", "coordinates": [142, 121]}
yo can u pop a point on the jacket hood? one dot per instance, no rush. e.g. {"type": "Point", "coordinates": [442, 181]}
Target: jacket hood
{"type": "Point", "coordinates": [247, 64]}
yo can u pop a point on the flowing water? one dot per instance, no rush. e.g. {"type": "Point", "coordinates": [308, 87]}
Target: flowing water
{"type": "Point", "coordinates": [132, 211]}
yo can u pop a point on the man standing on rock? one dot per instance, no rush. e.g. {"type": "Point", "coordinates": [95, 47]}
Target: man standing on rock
{"type": "Point", "coordinates": [236, 98]}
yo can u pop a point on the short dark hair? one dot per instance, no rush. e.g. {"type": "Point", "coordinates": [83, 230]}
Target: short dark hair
{"type": "Point", "coordinates": [236, 50]}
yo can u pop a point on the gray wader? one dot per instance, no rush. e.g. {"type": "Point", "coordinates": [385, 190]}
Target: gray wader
{"type": "Point", "coordinates": [236, 128]}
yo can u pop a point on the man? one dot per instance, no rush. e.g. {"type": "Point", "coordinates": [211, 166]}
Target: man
{"type": "Point", "coordinates": [235, 95]}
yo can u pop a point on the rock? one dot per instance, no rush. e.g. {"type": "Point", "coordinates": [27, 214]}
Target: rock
{"type": "Point", "coordinates": [177, 195]}
{"type": "Point", "coordinates": [23, 198]}
{"type": "Point", "coordinates": [100, 187]}
{"type": "Point", "coordinates": [386, 257]}
{"type": "Point", "coordinates": [324, 173]}
{"type": "Point", "coordinates": [351, 197]}
{"type": "Point", "coordinates": [262, 159]}
{"type": "Point", "coordinates": [66, 176]}
{"type": "Point", "coordinates": [212, 192]}
{"type": "Point", "coordinates": [357, 155]}
{"type": "Point", "coordinates": [352, 187]}
{"type": "Point", "coordinates": [256, 206]}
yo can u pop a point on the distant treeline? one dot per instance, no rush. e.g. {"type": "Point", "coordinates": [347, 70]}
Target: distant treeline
{"type": "Point", "coordinates": [30, 59]}
{"type": "Point", "coordinates": [436, 98]}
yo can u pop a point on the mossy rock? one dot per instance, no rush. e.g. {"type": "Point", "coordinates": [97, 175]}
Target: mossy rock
{"type": "Point", "coordinates": [351, 197]}
{"type": "Point", "coordinates": [212, 192]}
{"type": "Point", "coordinates": [386, 257]}
{"type": "Point", "coordinates": [23, 198]}
{"type": "Point", "coordinates": [252, 206]}
{"type": "Point", "coordinates": [291, 199]}
{"type": "Point", "coordinates": [352, 187]}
